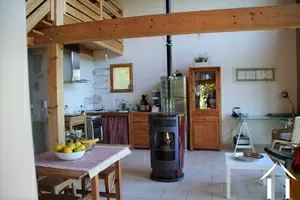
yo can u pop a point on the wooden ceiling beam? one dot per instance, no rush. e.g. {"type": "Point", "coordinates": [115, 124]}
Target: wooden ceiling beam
{"type": "Point", "coordinates": [208, 21]}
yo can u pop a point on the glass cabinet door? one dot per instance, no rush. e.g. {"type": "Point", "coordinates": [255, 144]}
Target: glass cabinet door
{"type": "Point", "coordinates": [205, 90]}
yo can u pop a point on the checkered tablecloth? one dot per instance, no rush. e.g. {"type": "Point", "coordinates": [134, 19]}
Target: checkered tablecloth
{"type": "Point", "coordinates": [93, 162]}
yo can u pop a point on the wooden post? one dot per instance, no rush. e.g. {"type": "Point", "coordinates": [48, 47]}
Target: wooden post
{"type": "Point", "coordinates": [55, 84]}
{"type": "Point", "coordinates": [51, 15]}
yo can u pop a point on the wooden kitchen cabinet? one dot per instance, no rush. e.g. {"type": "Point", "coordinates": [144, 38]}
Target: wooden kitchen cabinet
{"type": "Point", "coordinates": [140, 130]}
{"type": "Point", "coordinates": [205, 108]}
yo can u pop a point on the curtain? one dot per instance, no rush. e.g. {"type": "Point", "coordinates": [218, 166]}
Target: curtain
{"type": "Point", "coordinates": [115, 130]}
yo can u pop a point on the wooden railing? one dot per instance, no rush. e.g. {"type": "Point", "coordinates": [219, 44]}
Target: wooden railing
{"type": "Point", "coordinates": [111, 10]}
{"type": "Point", "coordinates": [40, 12]}
{"type": "Point", "coordinates": [36, 10]}
{"type": "Point", "coordinates": [77, 11]}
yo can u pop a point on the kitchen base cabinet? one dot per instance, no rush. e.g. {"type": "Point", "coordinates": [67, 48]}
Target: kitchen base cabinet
{"type": "Point", "coordinates": [140, 130]}
{"type": "Point", "coordinates": [205, 135]}
{"type": "Point", "coordinates": [115, 129]}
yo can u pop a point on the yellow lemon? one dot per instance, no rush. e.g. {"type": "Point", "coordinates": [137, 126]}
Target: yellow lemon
{"type": "Point", "coordinates": [77, 144]}
{"type": "Point", "coordinates": [58, 148]}
{"type": "Point", "coordinates": [71, 145]}
{"type": "Point", "coordinates": [77, 150]}
{"type": "Point", "coordinates": [82, 147]}
{"type": "Point", "coordinates": [67, 150]}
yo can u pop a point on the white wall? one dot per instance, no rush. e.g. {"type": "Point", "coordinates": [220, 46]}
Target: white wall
{"type": "Point", "coordinates": [74, 93]}
{"type": "Point", "coordinates": [17, 169]}
{"type": "Point", "coordinates": [259, 49]}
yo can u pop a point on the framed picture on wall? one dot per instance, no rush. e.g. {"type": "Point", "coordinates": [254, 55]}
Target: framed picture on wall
{"type": "Point", "coordinates": [254, 74]}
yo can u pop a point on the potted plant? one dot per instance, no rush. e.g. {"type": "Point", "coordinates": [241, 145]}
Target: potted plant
{"type": "Point", "coordinates": [201, 60]}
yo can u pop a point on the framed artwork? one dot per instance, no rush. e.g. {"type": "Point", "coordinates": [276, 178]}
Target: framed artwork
{"type": "Point", "coordinates": [121, 78]}
{"type": "Point", "coordinates": [254, 74]}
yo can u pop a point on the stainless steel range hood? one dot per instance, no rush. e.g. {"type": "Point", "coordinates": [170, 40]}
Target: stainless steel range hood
{"type": "Point", "coordinates": [72, 65]}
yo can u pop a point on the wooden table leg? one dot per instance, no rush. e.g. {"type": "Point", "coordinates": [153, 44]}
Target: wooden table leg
{"type": "Point", "coordinates": [95, 188]}
{"type": "Point", "coordinates": [83, 186]}
{"type": "Point", "coordinates": [118, 181]}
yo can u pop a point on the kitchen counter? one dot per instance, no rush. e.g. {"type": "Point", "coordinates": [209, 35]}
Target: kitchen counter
{"type": "Point", "coordinates": [125, 127]}
{"type": "Point", "coordinates": [94, 113]}
{"type": "Point", "coordinates": [111, 113]}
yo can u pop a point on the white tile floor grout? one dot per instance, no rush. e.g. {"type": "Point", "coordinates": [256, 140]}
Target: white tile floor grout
{"type": "Point", "coordinates": [204, 179]}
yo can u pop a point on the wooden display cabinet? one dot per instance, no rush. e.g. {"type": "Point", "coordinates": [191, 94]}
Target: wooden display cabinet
{"type": "Point", "coordinates": [205, 108]}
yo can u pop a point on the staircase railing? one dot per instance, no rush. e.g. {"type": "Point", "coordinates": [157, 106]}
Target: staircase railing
{"type": "Point", "coordinates": [77, 11]}
{"type": "Point", "coordinates": [36, 10]}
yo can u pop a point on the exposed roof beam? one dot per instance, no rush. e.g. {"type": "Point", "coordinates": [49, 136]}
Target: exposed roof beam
{"type": "Point", "coordinates": [209, 21]}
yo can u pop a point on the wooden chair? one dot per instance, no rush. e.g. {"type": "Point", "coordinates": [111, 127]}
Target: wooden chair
{"type": "Point", "coordinates": [57, 197]}
{"type": "Point", "coordinates": [283, 137]}
{"type": "Point", "coordinates": [108, 175]}
{"type": "Point", "coordinates": [56, 185]}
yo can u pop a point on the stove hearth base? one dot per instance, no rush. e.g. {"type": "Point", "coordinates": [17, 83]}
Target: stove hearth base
{"type": "Point", "coordinates": [167, 176]}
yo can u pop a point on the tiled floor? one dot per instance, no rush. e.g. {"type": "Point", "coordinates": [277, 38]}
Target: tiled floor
{"type": "Point", "coordinates": [204, 180]}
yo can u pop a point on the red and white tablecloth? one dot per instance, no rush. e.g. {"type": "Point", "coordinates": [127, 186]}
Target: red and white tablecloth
{"type": "Point", "coordinates": [93, 162]}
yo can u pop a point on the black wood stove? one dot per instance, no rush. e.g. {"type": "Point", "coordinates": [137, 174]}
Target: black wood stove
{"type": "Point", "coordinates": [167, 146]}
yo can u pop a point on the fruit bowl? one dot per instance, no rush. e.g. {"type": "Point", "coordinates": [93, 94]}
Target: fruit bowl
{"type": "Point", "coordinates": [70, 156]}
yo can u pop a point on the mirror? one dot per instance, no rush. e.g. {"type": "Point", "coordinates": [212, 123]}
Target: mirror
{"type": "Point", "coordinates": [121, 79]}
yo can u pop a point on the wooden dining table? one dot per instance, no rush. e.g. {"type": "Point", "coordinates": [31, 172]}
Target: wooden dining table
{"type": "Point", "coordinates": [91, 164]}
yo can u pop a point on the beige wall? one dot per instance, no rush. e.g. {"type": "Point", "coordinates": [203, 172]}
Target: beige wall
{"type": "Point", "coordinates": [17, 170]}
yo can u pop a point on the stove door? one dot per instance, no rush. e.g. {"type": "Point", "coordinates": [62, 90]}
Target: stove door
{"type": "Point", "coordinates": [164, 142]}
{"type": "Point", "coordinates": [164, 146]}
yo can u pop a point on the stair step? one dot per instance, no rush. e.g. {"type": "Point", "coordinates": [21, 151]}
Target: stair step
{"type": "Point", "coordinates": [46, 23]}
{"type": "Point", "coordinates": [37, 32]}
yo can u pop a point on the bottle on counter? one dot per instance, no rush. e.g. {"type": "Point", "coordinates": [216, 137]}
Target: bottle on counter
{"type": "Point", "coordinates": [82, 111]}
{"type": "Point", "coordinates": [144, 103]}
{"type": "Point", "coordinates": [123, 105]}
{"type": "Point", "coordinates": [137, 107]}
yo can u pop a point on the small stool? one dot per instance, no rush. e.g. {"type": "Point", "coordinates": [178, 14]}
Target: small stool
{"type": "Point", "coordinates": [108, 175]}
{"type": "Point", "coordinates": [57, 197]}
{"type": "Point", "coordinates": [56, 185]}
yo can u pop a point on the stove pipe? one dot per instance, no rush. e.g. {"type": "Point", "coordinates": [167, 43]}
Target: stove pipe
{"type": "Point", "coordinates": [169, 52]}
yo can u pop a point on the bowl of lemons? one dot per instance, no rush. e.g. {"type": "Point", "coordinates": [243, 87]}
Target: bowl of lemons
{"type": "Point", "coordinates": [70, 151]}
